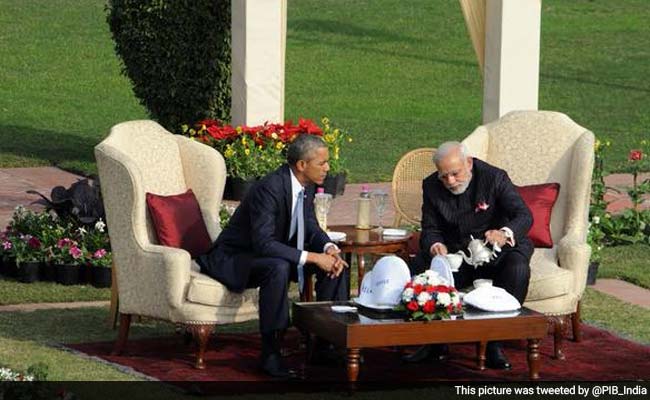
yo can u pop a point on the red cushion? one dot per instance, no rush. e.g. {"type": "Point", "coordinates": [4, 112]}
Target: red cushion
{"type": "Point", "coordinates": [178, 222]}
{"type": "Point", "coordinates": [540, 200]}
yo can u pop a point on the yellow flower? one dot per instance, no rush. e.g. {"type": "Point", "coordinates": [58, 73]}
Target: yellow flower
{"type": "Point", "coordinates": [192, 132]}
{"type": "Point", "coordinates": [279, 145]}
{"type": "Point", "coordinates": [229, 152]}
{"type": "Point", "coordinates": [325, 121]}
{"type": "Point", "coordinates": [337, 131]}
{"type": "Point", "coordinates": [243, 140]}
{"type": "Point", "coordinates": [597, 145]}
{"type": "Point", "coordinates": [274, 136]}
{"type": "Point", "coordinates": [238, 129]}
{"type": "Point", "coordinates": [184, 128]}
{"type": "Point", "coordinates": [608, 143]}
{"type": "Point", "coordinates": [336, 152]}
{"type": "Point", "coordinates": [329, 138]}
{"type": "Point", "coordinates": [247, 152]}
{"type": "Point", "coordinates": [349, 140]}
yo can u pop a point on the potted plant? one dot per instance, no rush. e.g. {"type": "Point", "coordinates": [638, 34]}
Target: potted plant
{"type": "Point", "coordinates": [98, 254]}
{"type": "Point", "coordinates": [597, 210]}
{"type": "Point", "coordinates": [250, 152]}
{"type": "Point", "coordinates": [28, 253]}
{"type": "Point", "coordinates": [335, 138]}
{"type": "Point", "coordinates": [67, 256]}
{"type": "Point", "coordinates": [100, 266]}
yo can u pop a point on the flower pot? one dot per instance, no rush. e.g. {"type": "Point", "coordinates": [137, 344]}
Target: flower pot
{"type": "Point", "coordinates": [28, 271]}
{"type": "Point", "coordinates": [67, 274]}
{"type": "Point", "coordinates": [592, 272]}
{"type": "Point", "coordinates": [46, 272]}
{"type": "Point", "coordinates": [101, 277]}
{"type": "Point", "coordinates": [9, 268]}
{"type": "Point", "coordinates": [85, 274]}
{"type": "Point", "coordinates": [227, 189]}
{"type": "Point", "coordinates": [335, 184]}
{"type": "Point", "coordinates": [240, 188]}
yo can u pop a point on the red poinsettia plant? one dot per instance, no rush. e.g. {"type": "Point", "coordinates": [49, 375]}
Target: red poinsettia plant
{"type": "Point", "coordinates": [250, 151]}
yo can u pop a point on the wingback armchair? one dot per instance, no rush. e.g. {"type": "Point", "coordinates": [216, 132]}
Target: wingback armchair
{"type": "Point", "coordinates": [153, 280]}
{"type": "Point", "coordinates": [540, 147]}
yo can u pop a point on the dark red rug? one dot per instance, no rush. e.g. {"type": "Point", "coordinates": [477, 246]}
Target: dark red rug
{"type": "Point", "coordinates": [601, 356]}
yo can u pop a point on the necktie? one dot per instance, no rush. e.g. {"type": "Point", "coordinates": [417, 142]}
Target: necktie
{"type": "Point", "coordinates": [298, 216]}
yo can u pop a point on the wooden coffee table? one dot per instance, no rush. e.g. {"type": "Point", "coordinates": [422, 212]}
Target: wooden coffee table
{"type": "Point", "coordinates": [350, 332]}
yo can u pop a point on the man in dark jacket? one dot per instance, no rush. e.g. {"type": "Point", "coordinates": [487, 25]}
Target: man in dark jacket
{"type": "Point", "coordinates": [273, 237]}
{"type": "Point", "coordinates": [467, 197]}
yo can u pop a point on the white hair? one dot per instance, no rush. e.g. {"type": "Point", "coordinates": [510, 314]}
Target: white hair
{"type": "Point", "coordinates": [449, 147]}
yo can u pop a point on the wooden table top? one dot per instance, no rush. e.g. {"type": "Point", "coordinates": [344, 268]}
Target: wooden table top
{"type": "Point", "coordinates": [363, 328]}
{"type": "Point", "coordinates": [366, 237]}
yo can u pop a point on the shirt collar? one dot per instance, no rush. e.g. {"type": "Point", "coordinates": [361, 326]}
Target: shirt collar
{"type": "Point", "coordinates": [296, 187]}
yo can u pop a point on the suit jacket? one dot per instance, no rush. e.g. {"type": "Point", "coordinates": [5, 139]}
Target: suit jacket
{"type": "Point", "coordinates": [260, 228]}
{"type": "Point", "coordinates": [451, 219]}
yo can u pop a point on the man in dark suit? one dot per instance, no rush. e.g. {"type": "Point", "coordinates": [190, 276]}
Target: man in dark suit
{"type": "Point", "coordinates": [468, 197]}
{"type": "Point", "coordinates": [273, 237]}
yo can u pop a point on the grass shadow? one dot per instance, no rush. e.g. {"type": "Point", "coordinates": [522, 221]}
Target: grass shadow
{"type": "Point", "coordinates": [21, 143]}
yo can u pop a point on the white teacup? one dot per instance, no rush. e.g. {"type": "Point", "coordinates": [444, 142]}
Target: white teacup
{"type": "Point", "coordinates": [482, 282]}
{"type": "Point", "coordinates": [455, 261]}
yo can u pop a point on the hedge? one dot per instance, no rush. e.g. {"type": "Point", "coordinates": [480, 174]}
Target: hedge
{"type": "Point", "coordinates": [177, 55]}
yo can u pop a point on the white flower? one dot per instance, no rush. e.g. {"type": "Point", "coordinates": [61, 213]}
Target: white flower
{"type": "Point", "coordinates": [407, 295]}
{"type": "Point", "coordinates": [100, 225]}
{"type": "Point", "coordinates": [444, 299]}
{"type": "Point", "coordinates": [596, 219]}
{"type": "Point", "coordinates": [420, 279]}
{"type": "Point", "coordinates": [81, 231]}
{"type": "Point", "coordinates": [423, 297]}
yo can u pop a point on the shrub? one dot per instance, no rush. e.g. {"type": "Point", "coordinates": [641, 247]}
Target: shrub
{"type": "Point", "coordinates": [177, 56]}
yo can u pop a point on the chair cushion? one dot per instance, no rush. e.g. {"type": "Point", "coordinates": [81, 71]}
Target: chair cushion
{"type": "Point", "coordinates": [207, 291]}
{"type": "Point", "coordinates": [547, 278]}
{"type": "Point", "coordinates": [178, 222]}
{"type": "Point", "coordinates": [540, 200]}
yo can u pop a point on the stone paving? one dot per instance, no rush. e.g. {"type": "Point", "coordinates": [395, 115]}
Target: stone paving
{"type": "Point", "coordinates": [14, 182]}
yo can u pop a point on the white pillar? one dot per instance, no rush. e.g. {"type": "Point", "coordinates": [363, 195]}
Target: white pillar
{"type": "Point", "coordinates": [259, 30]}
{"type": "Point", "coordinates": [512, 42]}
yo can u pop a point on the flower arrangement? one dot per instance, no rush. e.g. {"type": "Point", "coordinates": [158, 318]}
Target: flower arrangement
{"type": "Point", "coordinates": [67, 252]}
{"type": "Point", "coordinates": [427, 296]}
{"type": "Point", "coordinates": [252, 152]}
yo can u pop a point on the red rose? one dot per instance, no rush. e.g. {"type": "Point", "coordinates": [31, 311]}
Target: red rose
{"type": "Point", "coordinates": [635, 155]}
{"type": "Point", "coordinates": [417, 289]}
{"type": "Point", "coordinates": [429, 307]}
{"type": "Point", "coordinates": [412, 305]}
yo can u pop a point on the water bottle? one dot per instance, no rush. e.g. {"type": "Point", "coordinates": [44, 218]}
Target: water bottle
{"type": "Point", "coordinates": [322, 203]}
{"type": "Point", "coordinates": [363, 208]}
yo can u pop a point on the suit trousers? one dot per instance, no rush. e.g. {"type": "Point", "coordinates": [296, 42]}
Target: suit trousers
{"type": "Point", "coordinates": [272, 276]}
{"type": "Point", "coordinates": [510, 271]}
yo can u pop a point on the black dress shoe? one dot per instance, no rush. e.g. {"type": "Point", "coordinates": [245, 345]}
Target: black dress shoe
{"type": "Point", "coordinates": [495, 358]}
{"type": "Point", "coordinates": [428, 352]}
{"type": "Point", "coordinates": [273, 366]}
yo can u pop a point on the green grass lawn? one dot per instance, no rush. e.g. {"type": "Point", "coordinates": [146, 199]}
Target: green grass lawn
{"type": "Point", "coordinates": [398, 75]}
{"type": "Point", "coordinates": [13, 292]}
{"type": "Point", "coordinates": [628, 263]}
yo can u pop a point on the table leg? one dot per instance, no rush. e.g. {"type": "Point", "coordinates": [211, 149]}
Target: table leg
{"type": "Point", "coordinates": [480, 355]}
{"type": "Point", "coordinates": [361, 268]}
{"type": "Point", "coordinates": [353, 364]}
{"type": "Point", "coordinates": [348, 259]}
{"type": "Point", "coordinates": [533, 358]}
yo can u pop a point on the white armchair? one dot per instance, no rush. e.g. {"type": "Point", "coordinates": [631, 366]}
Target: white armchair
{"type": "Point", "coordinates": [540, 147]}
{"type": "Point", "coordinates": [156, 281]}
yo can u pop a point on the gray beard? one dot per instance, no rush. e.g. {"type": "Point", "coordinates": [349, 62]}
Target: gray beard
{"type": "Point", "coordinates": [463, 188]}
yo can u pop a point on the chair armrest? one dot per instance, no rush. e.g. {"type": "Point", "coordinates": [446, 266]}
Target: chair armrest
{"type": "Point", "coordinates": [573, 254]}
{"type": "Point", "coordinates": [175, 273]}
